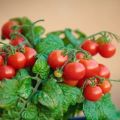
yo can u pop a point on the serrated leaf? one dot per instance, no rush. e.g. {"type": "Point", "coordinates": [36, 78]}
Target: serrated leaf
{"type": "Point", "coordinates": [101, 110]}
{"type": "Point", "coordinates": [72, 95]}
{"type": "Point", "coordinates": [30, 113]}
{"type": "Point", "coordinates": [25, 87]}
{"type": "Point", "coordinates": [50, 43]}
{"type": "Point", "coordinates": [41, 67]}
{"type": "Point", "coordinates": [8, 93]}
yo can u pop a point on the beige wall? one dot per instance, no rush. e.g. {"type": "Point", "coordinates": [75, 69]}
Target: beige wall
{"type": "Point", "coordinates": [89, 16]}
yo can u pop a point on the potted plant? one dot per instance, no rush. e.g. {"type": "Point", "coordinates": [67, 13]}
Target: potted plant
{"type": "Point", "coordinates": [54, 76]}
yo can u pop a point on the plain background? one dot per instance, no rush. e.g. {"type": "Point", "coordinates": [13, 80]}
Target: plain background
{"type": "Point", "coordinates": [90, 16]}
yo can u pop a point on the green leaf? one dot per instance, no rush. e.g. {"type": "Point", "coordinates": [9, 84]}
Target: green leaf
{"type": "Point", "coordinates": [8, 93]}
{"type": "Point", "coordinates": [101, 110]}
{"type": "Point", "coordinates": [51, 95]}
{"type": "Point", "coordinates": [75, 41]}
{"type": "Point", "coordinates": [30, 113]}
{"type": "Point", "coordinates": [25, 83]}
{"type": "Point", "coordinates": [41, 67]}
{"type": "Point", "coordinates": [50, 43]}
{"type": "Point", "coordinates": [72, 95]}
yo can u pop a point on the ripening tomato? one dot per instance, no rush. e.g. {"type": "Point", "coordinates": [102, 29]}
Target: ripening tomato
{"type": "Point", "coordinates": [70, 82]}
{"type": "Point", "coordinates": [56, 59]}
{"type": "Point", "coordinates": [90, 46]}
{"type": "Point", "coordinates": [106, 50]}
{"type": "Point", "coordinates": [74, 71]}
{"type": "Point", "coordinates": [30, 54]}
{"type": "Point", "coordinates": [103, 71]}
{"type": "Point", "coordinates": [92, 67]}
{"type": "Point", "coordinates": [79, 55]}
{"type": "Point", "coordinates": [105, 86]}
{"type": "Point", "coordinates": [17, 60]}
{"type": "Point", "coordinates": [16, 41]}
{"type": "Point", "coordinates": [6, 72]}
{"type": "Point", "coordinates": [1, 60]}
{"type": "Point", "coordinates": [92, 93]}
{"type": "Point", "coordinates": [7, 28]}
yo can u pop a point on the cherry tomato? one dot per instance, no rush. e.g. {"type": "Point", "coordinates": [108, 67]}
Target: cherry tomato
{"type": "Point", "coordinates": [90, 46]}
{"type": "Point", "coordinates": [103, 71]}
{"type": "Point", "coordinates": [17, 60]}
{"type": "Point", "coordinates": [56, 59]}
{"type": "Point", "coordinates": [79, 55]}
{"type": "Point", "coordinates": [71, 82]}
{"type": "Point", "coordinates": [106, 50]}
{"type": "Point", "coordinates": [16, 41]}
{"type": "Point", "coordinates": [105, 86]}
{"type": "Point", "coordinates": [74, 71]}
{"type": "Point", "coordinates": [92, 93]}
{"type": "Point", "coordinates": [92, 67]}
{"type": "Point", "coordinates": [57, 73]}
{"type": "Point", "coordinates": [30, 54]}
{"type": "Point", "coordinates": [6, 72]}
{"type": "Point", "coordinates": [1, 60]}
{"type": "Point", "coordinates": [7, 28]}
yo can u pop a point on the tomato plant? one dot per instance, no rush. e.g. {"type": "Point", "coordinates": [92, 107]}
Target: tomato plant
{"type": "Point", "coordinates": [17, 60]}
{"type": "Point", "coordinates": [56, 74]}
{"type": "Point", "coordinates": [57, 59]}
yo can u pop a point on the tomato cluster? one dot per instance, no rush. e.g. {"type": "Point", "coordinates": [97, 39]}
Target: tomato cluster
{"type": "Point", "coordinates": [105, 49]}
{"type": "Point", "coordinates": [13, 60]}
{"type": "Point", "coordinates": [85, 73]}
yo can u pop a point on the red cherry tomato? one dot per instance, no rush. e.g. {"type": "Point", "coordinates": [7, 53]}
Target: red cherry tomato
{"type": "Point", "coordinates": [6, 72]}
{"type": "Point", "coordinates": [106, 50]}
{"type": "Point", "coordinates": [92, 93]}
{"type": "Point", "coordinates": [79, 55]}
{"type": "Point", "coordinates": [30, 54]}
{"type": "Point", "coordinates": [74, 71]}
{"type": "Point", "coordinates": [92, 67]}
{"type": "Point", "coordinates": [16, 41]}
{"type": "Point", "coordinates": [7, 28]}
{"type": "Point", "coordinates": [17, 60]}
{"type": "Point", "coordinates": [1, 60]}
{"type": "Point", "coordinates": [103, 71]}
{"type": "Point", "coordinates": [90, 46]}
{"type": "Point", "coordinates": [71, 82]}
{"type": "Point", "coordinates": [56, 59]}
{"type": "Point", "coordinates": [105, 86]}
